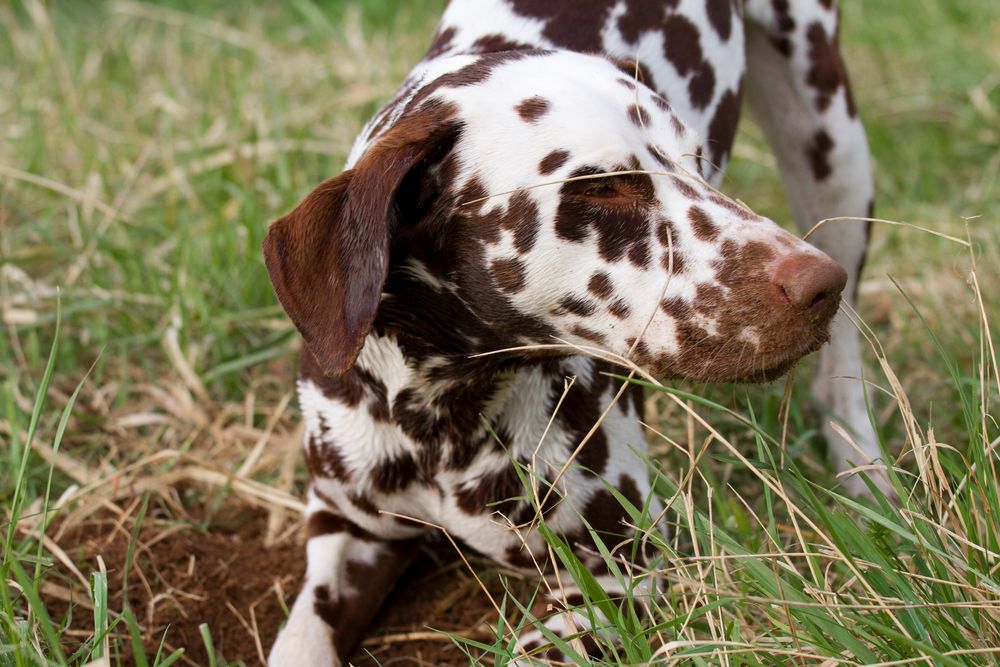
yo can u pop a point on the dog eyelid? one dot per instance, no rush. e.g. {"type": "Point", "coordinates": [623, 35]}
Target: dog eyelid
{"type": "Point", "coordinates": [604, 188]}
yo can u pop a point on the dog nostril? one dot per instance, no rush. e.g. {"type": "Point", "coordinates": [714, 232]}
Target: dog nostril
{"type": "Point", "coordinates": [784, 293]}
{"type": "Point", "coordinates": [807, 281]}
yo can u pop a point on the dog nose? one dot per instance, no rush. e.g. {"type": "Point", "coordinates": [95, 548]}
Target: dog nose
{"type": "Point", "coordinates": [808, 281]}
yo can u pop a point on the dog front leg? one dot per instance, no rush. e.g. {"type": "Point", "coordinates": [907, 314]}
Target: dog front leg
{"type": "Point", "coordinates": [799, 94]}
{"type": "Point", "coordinates": [349, 573]}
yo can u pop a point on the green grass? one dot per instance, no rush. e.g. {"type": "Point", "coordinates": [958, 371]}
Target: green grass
{"type": "Point", "coordinates": [145, 147]}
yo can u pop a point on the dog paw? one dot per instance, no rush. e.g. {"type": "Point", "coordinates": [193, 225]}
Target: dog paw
{"type": "Point", "coordinates": [305, 641]}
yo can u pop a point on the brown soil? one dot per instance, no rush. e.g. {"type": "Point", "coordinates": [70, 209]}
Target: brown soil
{"type": "Point", "coordinates": [184, 575]}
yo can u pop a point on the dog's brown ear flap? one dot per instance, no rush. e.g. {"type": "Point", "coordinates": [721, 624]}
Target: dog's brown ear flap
{"type": "Point", "coordinates": [328, 259]}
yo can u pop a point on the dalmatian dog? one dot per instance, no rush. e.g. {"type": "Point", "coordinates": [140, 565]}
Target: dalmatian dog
{"type": "Point", "coordinates": [544, 183]}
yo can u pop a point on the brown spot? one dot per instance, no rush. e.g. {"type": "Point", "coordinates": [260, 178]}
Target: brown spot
{"type": "Point", "coordinates": [364, 503]}
{"type": "Point", "coordinates": [533, 108]}
{"type": "Point", "coordinates": [522, 219]}
{"type": "Point", "coordinates": [555, 655]}
{"type": "Point", "coordinates": [685, 188]}
{"type": "Point", "coordinates": [640, 352]}
{"type": "Point", "coordinates": [591, 648]}
{"type": "Point", "coordinates": [518, 556]}
{"type": "Point", "coordinates": [565, 25]}
{"type": "Point", "coordinates": [588, 334]}
{"type": "Point", "coordinates": [827, 72]}
{"type": "Point", "coordinates": [672, 263]}
{"type": "Point", "coordinates": [703, 227]}
{"type": "Point", "coordinates": [324, 523]}
{"type": "Point", "coordinates": [323, 459]}
{"type": "Point", "coordinates": [720, 14]}
{"type": "Point", "coordinates": [607, 518]}
{"type": "Point", "coordinates": [818, 152]}
{"type": "Point", "coordinates": [657, 154]}
{"type": "Point", "coordinates": [582, 407]}
{"type": "Point", "coordinates": [469, 75]}
{"type": "Point", "coordinates": [394, 474]}
{"type": "Point", "coordinates": [699, 159]}
{"type": "Point", "coordinates": [783, 15]}
{"type": "Point", "coordinates": [552, 161]}
{"type": "Point", "coordinates": [508, 274]}
{"type": "Point", "coordinates": [351, 388]}
{"type": "Point", "coordinates": [638, 253]}
{"type": "Point", "coordinates": [722, 129]}
{"type": "Point", "coordinates": [600, 285]}
{"type": "Point", "coordinates": [630, 491]}
{"type": "Point", "coordinates": [677, 308]}
{"type": "Point", "coordinates": [740, 211]}
{"type": "Point", "coordinates": [326, 606]}
{"type": "Point", "coordinates": [784, 23]}
{"type": "Point", "coordinates": [641, 16]}
{"type": "Point", "coordinates": [497, 491]}
{"type": "Point", "coordinates": [702, 86]}
{"type": "Point", "coordinates": [442, 42]}
{"type": "Point", "coordinates": [638, 115]}
{"type": "Point", "coordinates": [783, 45]}
{"type": "Point", "coordinates": [502, 490]}
{"type": "Point", "coordinates": [496, 42]}
{"type": "Point", "coordinates": [620, 309]}
{"type": "Point", "coordinates": [575, 306]}
{"type": "Point", "coordinates": [666, 234]}
{"type": "Point", "coordinates": [681, 44]}
{"type": "Point", "coordinates": [636, 70]}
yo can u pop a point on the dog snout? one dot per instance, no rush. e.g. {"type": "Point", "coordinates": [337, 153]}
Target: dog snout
{"type": "Point", "coordinates": [809, 283]}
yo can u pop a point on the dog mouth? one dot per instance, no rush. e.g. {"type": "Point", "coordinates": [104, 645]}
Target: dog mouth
{"type": "Point", "coordinates": [741, 366]}
{"type": "Point", "coordinates": [769, 368]}
{"type": "Point", "coordinates": [767, 374]}
{"type": "Point", "coordinates": [778, 366]}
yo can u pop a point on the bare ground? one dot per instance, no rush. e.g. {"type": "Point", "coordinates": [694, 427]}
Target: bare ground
{"type": "Point", "coordinates": [184, 574]}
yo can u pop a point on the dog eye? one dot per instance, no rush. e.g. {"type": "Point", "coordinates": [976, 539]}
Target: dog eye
{"type": "Point", "coordinates": [602, 190]}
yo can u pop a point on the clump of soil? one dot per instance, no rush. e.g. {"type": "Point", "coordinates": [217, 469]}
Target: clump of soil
{"type": "Point", "coordinates": [184, 574]}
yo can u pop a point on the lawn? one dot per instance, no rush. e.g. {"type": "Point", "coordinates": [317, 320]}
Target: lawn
{"type": "Point", "coordinates": [150, 476]}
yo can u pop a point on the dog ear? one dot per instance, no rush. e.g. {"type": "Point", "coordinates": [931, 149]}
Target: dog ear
{"type": "Point", "coordinates": [328, 259]}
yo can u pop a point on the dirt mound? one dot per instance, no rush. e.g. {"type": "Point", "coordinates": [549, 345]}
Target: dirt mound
{"type": "Point", "coordinates": [184, 574]}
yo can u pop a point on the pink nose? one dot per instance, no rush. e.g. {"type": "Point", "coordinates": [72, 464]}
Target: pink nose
{"type": "Point", "coordinates": [809, 282]}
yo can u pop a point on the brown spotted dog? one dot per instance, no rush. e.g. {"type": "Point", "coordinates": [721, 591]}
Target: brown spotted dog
{"type": "Point", "coordinates": [525, 188]}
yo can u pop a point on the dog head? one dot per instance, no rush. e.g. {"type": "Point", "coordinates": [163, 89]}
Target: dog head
{"type": "Point", "coordinates": [542, 196]}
